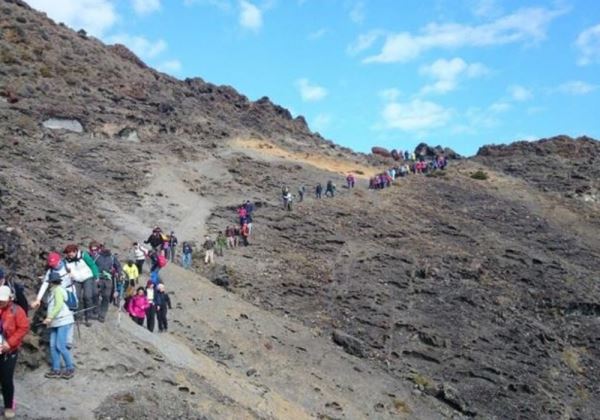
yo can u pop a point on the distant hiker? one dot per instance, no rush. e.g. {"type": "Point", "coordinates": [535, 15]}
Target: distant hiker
{"type": "Point", "coordinates": [172, 246]}
{"type": "Point", "coordinates": [301, 190]}
{"type": "Point", "coordinates": [249, 206]}
{"type": "Point", "coordinates": [60, 321]}
{"type": "Point", "coordinates": [350, 181]}
{"type": "Point", "coordinates": [230, 235]}
{"type": "Point", "coordinates": [287, 201]}
{"type": "Point", "coordinates": [318, 190]}
{"type": "Point", "coordinates": [406, 155]}
{"type": "Point", "coordinates": [110, 272]}
{"type": "Point", "coordinates": [162, 302]}
{"type": "Point", "coordinates": [15, 326]}
{"type": "Point", "coordinates": [155, 240]}
{"type": "Point", "coordinates": [139, 254]}
{"type": "Point", "coordinates": [241, 211]}
{"type": "Point", "coordinates": [131, 273]}
{"type": "Point", "coordinates": [413, 156]}
{"type": "Point", "coordinates": [83, 272]}
{"type": "Point", "coordinates": [237, 235]}
{"type": "Point", "coordinates": [137, 306]}
{"type": "Point", "coordinates": [220, 244]}
{"type": "Point", "coordinates": [17, 290]}
{"type": "Point", "coordinates": [330, 188]}
{"type": "Point", "coordinates": [151, 309]}
{"type": "Point", "coordinates": [209, 250]}
{"type": "Point", "coordinates": [186, 259]}
{"type": "Point", "coordinates": [245, 233]}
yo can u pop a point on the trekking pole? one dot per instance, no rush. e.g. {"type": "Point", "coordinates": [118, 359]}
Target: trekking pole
{"type": "Point", "coordinates": [74, 313]}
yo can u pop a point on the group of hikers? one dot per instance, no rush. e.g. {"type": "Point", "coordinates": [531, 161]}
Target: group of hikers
{"type": "Point", "coordinates": [233, 235]}
{"type": "Point", "coordinates": [420, 166]}
{"type": "Point", "coordinates": [287, 198]}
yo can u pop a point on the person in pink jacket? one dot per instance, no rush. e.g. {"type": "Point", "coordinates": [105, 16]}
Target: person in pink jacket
{"type": "Point", "coordinates": [138, 305]}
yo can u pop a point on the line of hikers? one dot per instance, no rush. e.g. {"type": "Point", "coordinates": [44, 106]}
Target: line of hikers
{"type": "Point", "coordinates": [421, 166]}
{"type": "Point", "coordinates": [287, 198]}
{"type": "Point", "coordinates": [233, 235]}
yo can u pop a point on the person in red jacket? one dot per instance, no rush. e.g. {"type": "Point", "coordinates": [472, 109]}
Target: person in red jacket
{"type": "Point", "coordinates": [13, 327]}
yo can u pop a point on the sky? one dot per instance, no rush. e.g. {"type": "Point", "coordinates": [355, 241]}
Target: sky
{"type": "Point", "coordinates": [388, 73]}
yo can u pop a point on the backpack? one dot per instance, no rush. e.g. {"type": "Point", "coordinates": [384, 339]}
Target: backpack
{"type": "Point", "coordinates": [72, 302]}
{"type": "Point", "coordinates": [19, 293]}
{"type": "Point", "coordinates": [161, 260]}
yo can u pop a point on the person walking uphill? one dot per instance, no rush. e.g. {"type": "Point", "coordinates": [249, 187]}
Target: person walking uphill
{"type": "Point", "coordinates": [60, 321]}
{"type": "Point", "coordinates": [162, 301]}
{"type": "Point", "coordinates": [137, 306]}
{"type": "Point", "coordinates": [110, 271]}
{"type": "Point", "coordinates": [209, 250]}
{"type": "Point", "coordinates": [186, 258]}
{"type": "Point", "coordinates": [14, 326]}
{"type": "Point", "coordinates": [83, 272]}
{"type": "Point", "coordinates": [139, 253]}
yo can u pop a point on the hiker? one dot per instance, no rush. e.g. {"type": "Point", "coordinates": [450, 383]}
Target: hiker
{"type": "Point", "coordinates": [406, 155]}
{"type": "Point", "coordinates": [155, 240]}
{"type": "Point", "coordinates": [83, 272]}
{"type": "Point", "coordinates": [318, 190]}
{"type": "Point", "coordinates": [186, 258]}
{"type": "Point", "coordinates": [220, 243]}
{"type": "Point", "coordinates": [139, 253]}
{"type": "Point", "coordinates": [54, 263]}
{"type": "Point", "coordinates": [150, 309]}
{"type": "Point", "coordinates": [242, 213]}
{"type": "Point", "coordinates": [301, 190]}
{"type": "Point", "coordinates": [249, 207]}
{"type": "Point", "coordinates": [350, 181]}
{"type": "Point", "coordinates": [110, 273]}
{"type": "Point", "coordinates": [162, 302]}
{"type": "Point", "coordinates": [287, 201]}
{"type": "Point", "coordinates": [245, 233]}
{"type": "Point", "coordinates": [209, 250]}
{"type": "Point", "coordinates": [137, 306]}
{"type": "Point", "coordinates": [17, 290]}
{"type": "Point", "coordinates": [131, 273]}
{"type": "Point", "coordinates": [230, 235]}
{"type": "Point", "coordinates": [60, 321]}
{"type": "Point", "coordinates": [15, 326]}
{"type": "Point", "coordinates": [330, 188]}
{"type": "Point", "coordinates": [172, 246]}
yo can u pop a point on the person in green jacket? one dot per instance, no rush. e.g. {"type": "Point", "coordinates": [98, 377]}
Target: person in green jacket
{"type": "Point", "coordinates": [221, 243]}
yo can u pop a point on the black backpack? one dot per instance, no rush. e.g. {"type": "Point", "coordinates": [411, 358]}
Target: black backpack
{"type": "Point", "coordinates": [19, 295]}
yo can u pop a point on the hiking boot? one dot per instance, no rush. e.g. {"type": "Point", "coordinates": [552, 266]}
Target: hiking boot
{"type": "Point", "coordinates": [101, 319]}
{"type": "Point", "coordinates": [53, 374]}
{"type": "Point", "coordinates": [9, 413]}
{"type": "Point", "coordinates": [87, 323]}
{"type": "Point", "coordinates": [68, 373]}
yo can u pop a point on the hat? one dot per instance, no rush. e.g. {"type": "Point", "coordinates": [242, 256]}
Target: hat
{"type": "Point", "coordinates": [161, 287]}
{"type": "Point", "coordinates": [149, 283]}
{"type": "Point", "coordinates": [1, 273]}
{"type": "Point", "coordinates": [5, 293]}
{"type": "Point", "coordinates": [54, 277]}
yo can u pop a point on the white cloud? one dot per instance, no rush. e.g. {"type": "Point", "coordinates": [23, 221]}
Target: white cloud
{"type": "Point", "coordinates": [525, 25]}
{"type": "Point", "coordinates": [310, 92]}
{"type": "Point", "coordinates": [416, 115]}
{"type": "Point", "coordinates": [95, 16]}
{"type": "Point", "coordinates": [143, 7]}
{"type": "Point", "coordinates": [576, 87]}
{"type": "Point", "coordinates": [357, 13]}
{"type": "Point", "coordinates": [520, 93]}
{"type": "Point", "coordinates": [363, 42]}
{"type": "Point", "coordinates": [141, 46]}
{"type": "Point", "coordinates": [588, 43]}
{"type": "Point", "coordinates": [390, 95]}
{"type": "Point", "coordinates": [317, 34]}
{"type": "Point", "coordinates": [447, 73]}
{"type": "Point", "coordinates": [170, 66]}
{"type": "Point", "coordinates": [321, 122]}
{"type": "Point", "coordinates": [498, 107]}
{"type": "Point", "coordinates": [486, 8]}
{"type": "Point", "coordinates": [250, 16]}
{"type": "Point", "coordinates": [224, 5]}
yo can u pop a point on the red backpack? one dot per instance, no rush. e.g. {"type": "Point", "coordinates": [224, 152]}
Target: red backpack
{"type": "Point", "coordinates": [161, 260]}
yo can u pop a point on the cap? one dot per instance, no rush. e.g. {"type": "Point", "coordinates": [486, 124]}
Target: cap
{"type": "Point", "coordinates": [5, 293]}
{"type": "Point", "coordinates": [161, 287]}
{"type": "Point", "coordinates": [54, 277]}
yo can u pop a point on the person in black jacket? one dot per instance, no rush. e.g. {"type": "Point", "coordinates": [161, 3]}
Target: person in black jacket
{"type": "Point", "coordinates": [162, 301]}
{"type": "Point", "coordinates": [155, 240]}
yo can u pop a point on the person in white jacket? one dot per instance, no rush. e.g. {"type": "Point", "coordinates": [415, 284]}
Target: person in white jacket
{"type": "Point", "coordinates": [139, 254]}
{"type": "Point", "coordinates": [60, 320]}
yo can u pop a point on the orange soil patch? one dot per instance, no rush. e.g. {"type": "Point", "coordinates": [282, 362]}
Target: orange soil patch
{"type": "Point", "coordinates": [321, 161]}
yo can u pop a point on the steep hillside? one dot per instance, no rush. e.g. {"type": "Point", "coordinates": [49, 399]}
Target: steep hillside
{"type": "Point", "coordinates": [456, 297]}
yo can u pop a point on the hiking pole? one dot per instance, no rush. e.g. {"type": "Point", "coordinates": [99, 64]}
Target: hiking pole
{"type": "Point", "coordinates": [74, 313]}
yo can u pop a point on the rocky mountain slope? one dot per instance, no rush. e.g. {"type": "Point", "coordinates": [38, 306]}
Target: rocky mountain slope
{"type": "Point", "coordinates": [452, 297]}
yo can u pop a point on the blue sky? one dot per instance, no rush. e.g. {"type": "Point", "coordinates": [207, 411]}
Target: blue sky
{"type": "Point", "coordinates": [389, 73]}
